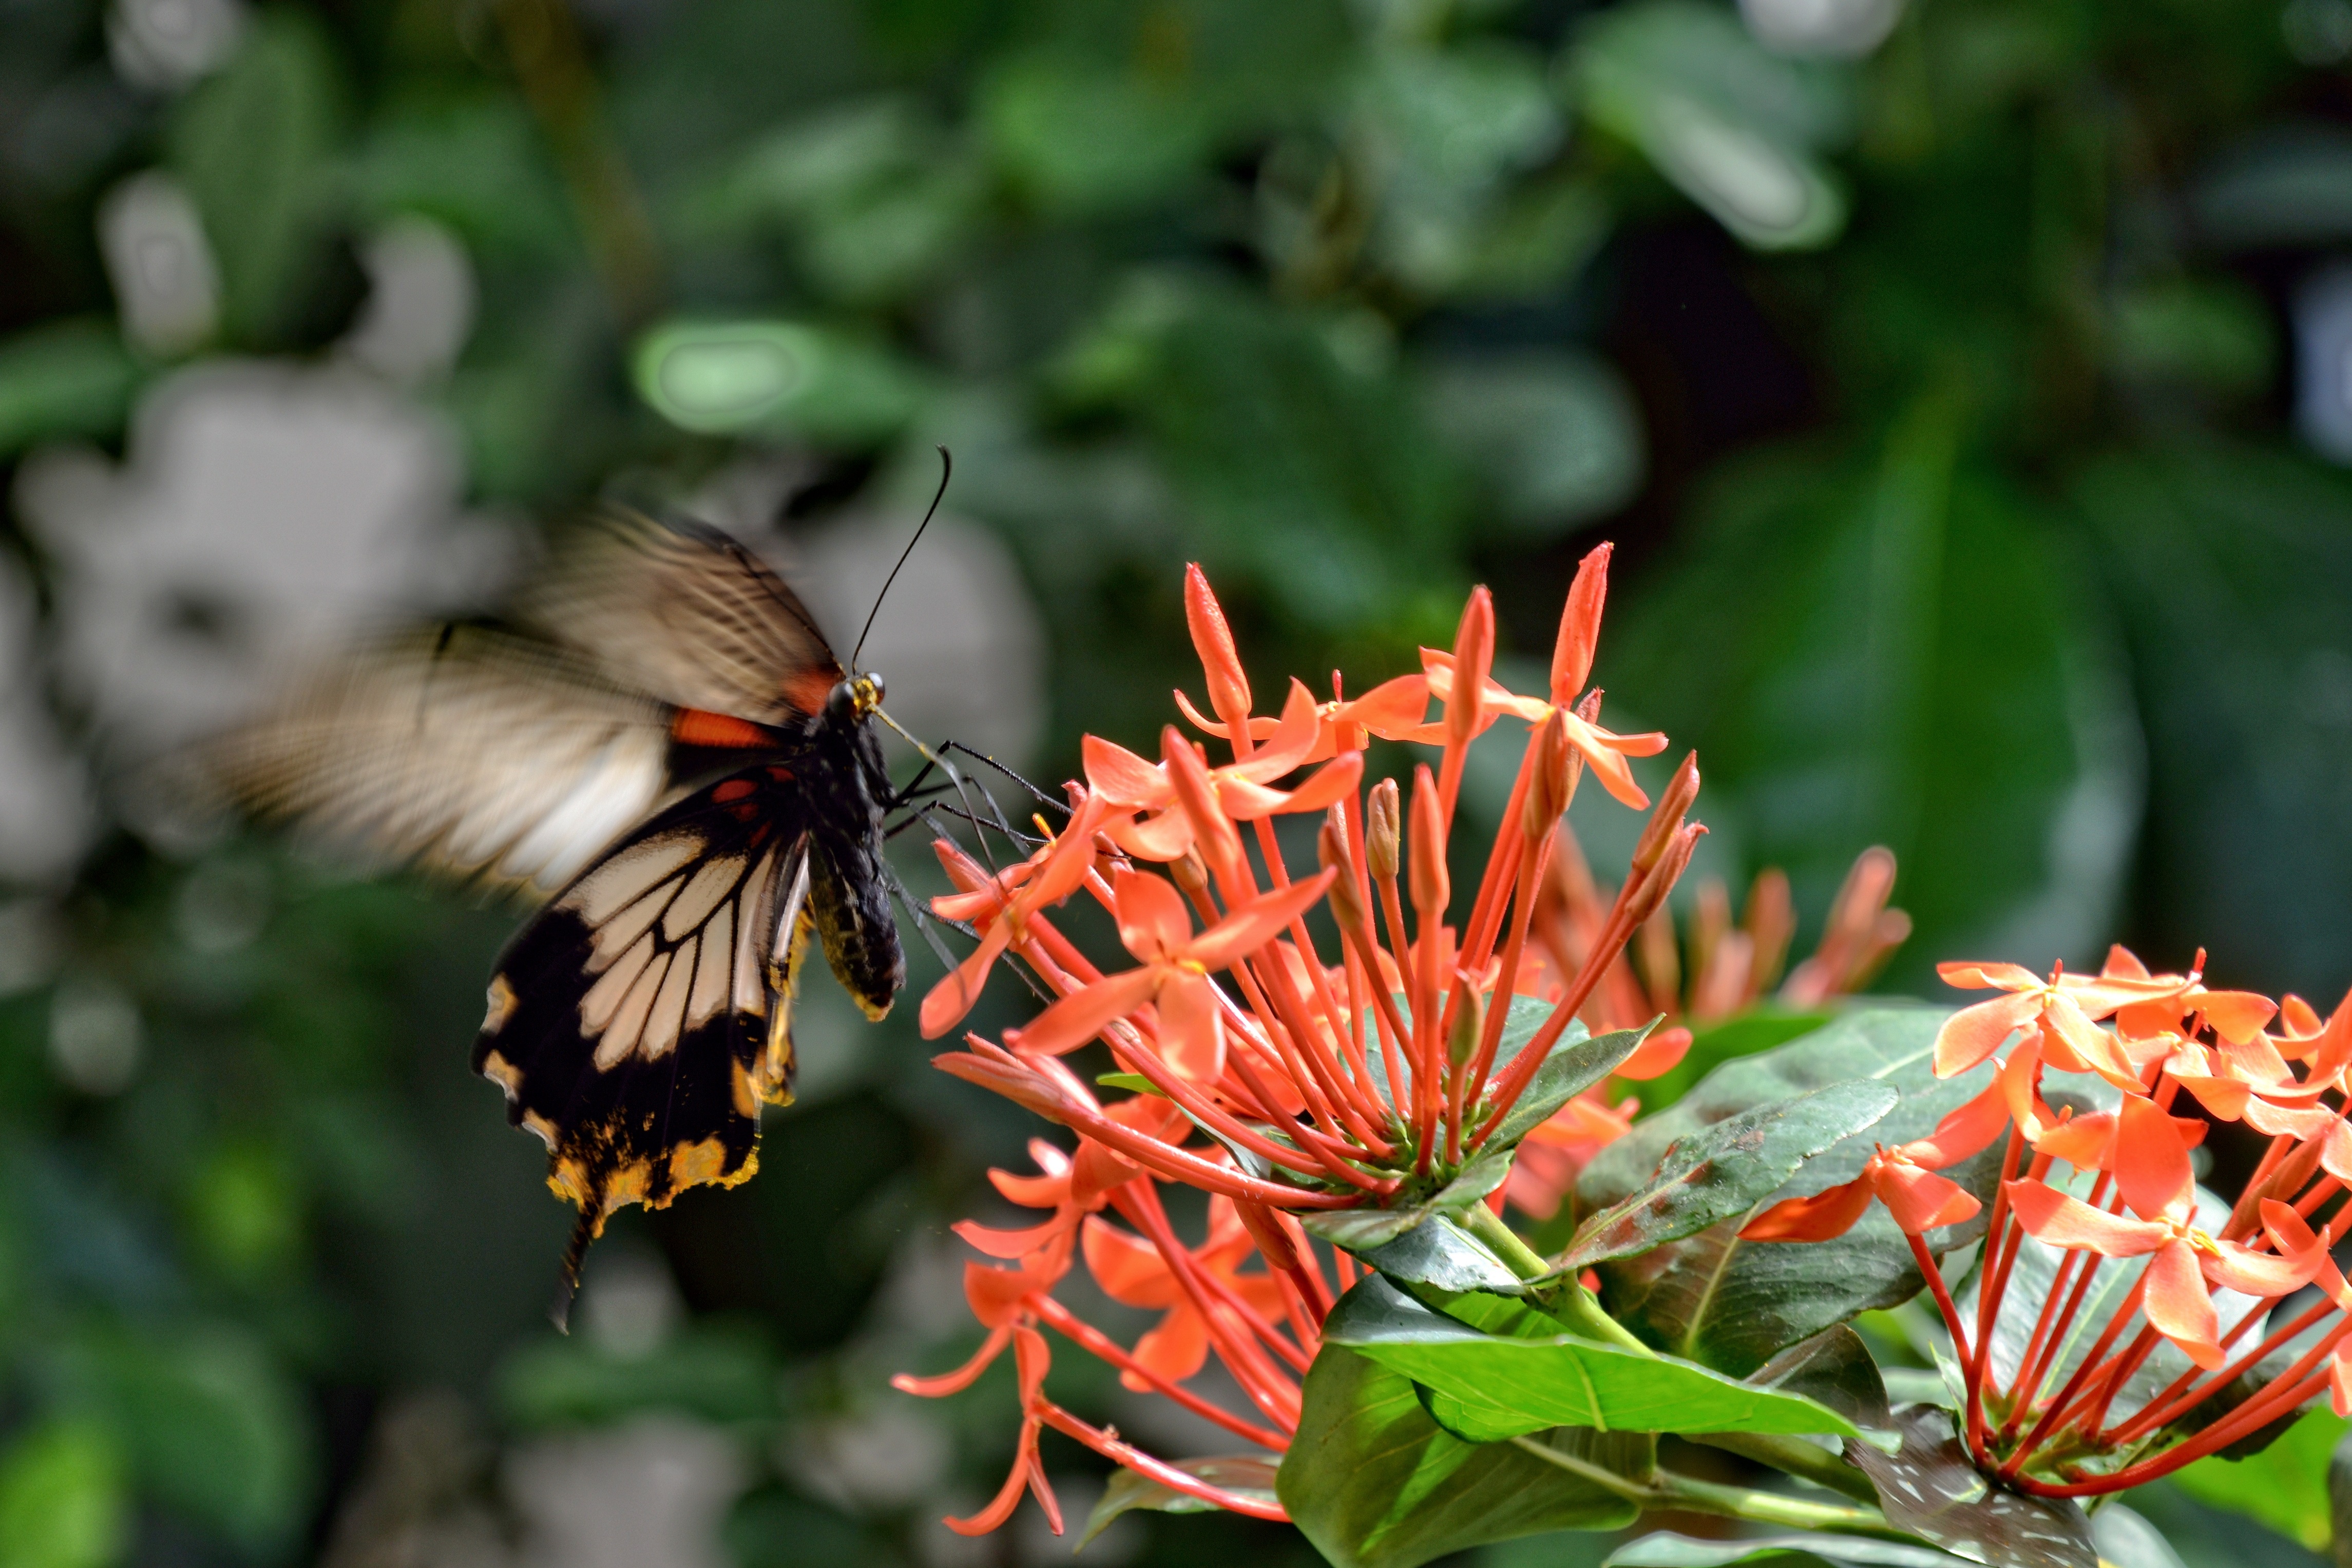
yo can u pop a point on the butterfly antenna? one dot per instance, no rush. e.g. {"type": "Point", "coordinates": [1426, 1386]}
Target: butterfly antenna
{"type": "Point", "coordinates": [947, 470]}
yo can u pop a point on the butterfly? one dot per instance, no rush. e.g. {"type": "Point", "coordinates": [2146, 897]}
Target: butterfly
{"type": "Point", "coordinates": [660, 744]}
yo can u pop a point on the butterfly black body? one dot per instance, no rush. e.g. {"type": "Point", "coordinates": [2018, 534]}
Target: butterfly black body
{"type": "Point", "coordinates": [663, 741]}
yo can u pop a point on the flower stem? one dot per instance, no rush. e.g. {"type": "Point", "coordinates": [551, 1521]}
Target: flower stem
{"type": "Point", "coordinates": [1570, 1301]}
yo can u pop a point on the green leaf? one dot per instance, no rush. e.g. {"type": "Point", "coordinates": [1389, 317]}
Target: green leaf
{"type": "Point", "coordinates": [2126, 1540]}
{"type": "Point", "coordinates": [1723, 1170]}
{"type": "Point", "coordinates": [1931, 1490]}
{"type": "Point", "coordinates": [1553, 435]}
{"type": "Point", "coordinates": [1134, 1082]}
{"type": "Point", "coordinates": [773, 377]}
{"type": "Point", "coordinates": [1666, 1549]}
{"type": "Point", "coordinates": [1573, 1067]}
{"type": "Point", "coordinates": [1833, 1369]}
{"type": "Point", "coordinates": [1374, 1483]}
{"type": "Point", "coordinates": [1083, 139]}
{"type": "Point", "coordinates": [1359, 1229]}
{"type": "Point", "coordinates": [1245, 1474]}
{"type": "Point", "coordinates": [211, 1426]}
{"type": "Point", "coordinates": [1441, 1254]}
{"type": "Point", "coordinates": [68, 378]}
{"type": "Point", "coordinates": [1891, 648]}
{"type": "Point", "coordinates": [1729, 124]}
{"type": "Point", "coordinates": [1712, 1046]}
{"type": "Point", "coordinates": [1489, 1387]}
{"type": "Point", "coordinates": [255, 145]}
{"type": "Point", "coordinates": [2283, 1486]}
{"type": "Point", "coordinates": [63, 1501]}
{"type": "Point", "coordinates": [1733, 1305]}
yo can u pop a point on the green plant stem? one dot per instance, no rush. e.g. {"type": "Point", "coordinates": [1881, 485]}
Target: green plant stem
{"type": "Point", "coordinates": [1571, 1301]}
{"type": "Point", "coordinates": [1665, 1488]}
{"type": "Point", "coordinates": [1795, 1457]}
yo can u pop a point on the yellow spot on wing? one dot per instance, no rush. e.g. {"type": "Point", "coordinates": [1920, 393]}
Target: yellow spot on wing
{"type": "Point", "coordinates": [502, 1006]}
{"type": "Point", "coordinates": [499, 1070]}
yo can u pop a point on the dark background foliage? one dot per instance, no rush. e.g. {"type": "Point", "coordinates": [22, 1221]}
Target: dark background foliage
{"type": "Point", "coordinates": [1963, 382]}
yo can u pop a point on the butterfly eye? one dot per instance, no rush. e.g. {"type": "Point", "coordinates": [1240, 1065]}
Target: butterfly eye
{"type": "Point", "coordinates": [873, 684]}
{"type": "Point", "coordinates": [841, 703]}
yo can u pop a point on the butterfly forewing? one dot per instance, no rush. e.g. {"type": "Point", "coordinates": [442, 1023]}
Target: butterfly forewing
{"type": "Point", "coordinates": [641, 1020]}
{"type": "Point", "coordinates": [465, 752]}
{"type": "Point", "coordinates": [689, 614]}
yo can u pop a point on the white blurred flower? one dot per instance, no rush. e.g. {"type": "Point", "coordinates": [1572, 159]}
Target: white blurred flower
{"type": "Point", "coordinates": [889, 1456]}
{"type": "Point", "coordinates": [629, 1304]}
{"type": "Point", "coordinates": [2323, 340]}
{"type": "Point", "coordinates": [650, 1494]}
{"type": "Point", "coordinates": [168, 44]}
{"type": "Point", "coordinates": [165, 285]}
{"type": "Point", "coordinates": [420, 303]}
{"type": "Point", "coordinates": [96, 1039]}
{"type": "Point", "coordinates": [1845, 29]}
{"type": "Point", "coordinates": [262, 512]}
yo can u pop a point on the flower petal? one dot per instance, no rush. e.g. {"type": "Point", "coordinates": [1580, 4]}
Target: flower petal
{"type": "Point", "coordinates": [1967, 1130]}
{"type": "Point", "coordinates": [1078, 1018]}
{"type": "Point", "coordinates": [2050, 1217]}
{"type": "Point", "coordinates": [1191, 1030]}
{"type": "Point", "coordinates": [2152, 1164]}
{"type": "Point", "coordinates": [2241, 1269]}
{"type": "Point", "coordinates": [947, 1003]}
{"type": "Point", "coordinates": [1974, 1033]}
{"type": "Point", "coordinates": [1128, 1269]}
{"type": "Point", "coordinates": [1122, 777]}
{"type": "Point", "coordinates": [1153, 923]}
{"type": "Point", "coordinates": [1250, 926]}
{"type": "Point", "coordinates": [2177, 1305]}
{"type": "Point", "coordinates": [1921, 1200]}
{"type": "Point", "coordinates": [1825, 1215]}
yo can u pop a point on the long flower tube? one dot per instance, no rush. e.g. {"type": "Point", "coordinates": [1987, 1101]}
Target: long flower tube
{"type": "Point", "coordinates": [1279, 1074]}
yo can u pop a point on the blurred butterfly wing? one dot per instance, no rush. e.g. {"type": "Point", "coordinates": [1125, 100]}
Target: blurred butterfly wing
{"type": "Point", "coordinates": [641, 1020]}
{"type": "Point", "coordinates": [469, 753]}
{"type": "Point", "coordinates": [689, 615]}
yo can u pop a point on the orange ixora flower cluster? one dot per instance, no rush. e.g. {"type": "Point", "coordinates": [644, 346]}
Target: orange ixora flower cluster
{"type": "Point", "coordinates": [2140, 1301]}
{"type": "Point", "coordinates": [1283, 1080]}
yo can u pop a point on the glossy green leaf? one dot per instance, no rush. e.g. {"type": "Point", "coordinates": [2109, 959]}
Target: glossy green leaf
{"type": "Point", "coordinates": [1244, 1475]}
{"type": "Point", "coordinates": [1664, 1549]}
{"type": "Point", "coordinates": [1375, 1483]}
{"type": "Point", "coordinates": [1729, 124]}
{"type": "Point", "coordinates": [255, 145]}
{"type": "Point", "coordinates": [1931, 1490]}
{"type": "Point", "coordinates": [1358, 1229]}
{"type": "Point", "coordinates": [1573, 1067]}
{"type": "Point", "coordinates": [779, 377]}
{"type": "Point", "coordinates": [2285, 1487]}
{"type": "Point", "coordinates": [1890, 648]}
{"type": "Point", "coordinates": [1732, 1305]}
{"type": "Point", "coordinates": [2126, 1539]}
{"type": "Point", "coordinates": [1490, 1387]}
{"type": "Point", "coordinates": [1833, 1369]}
{"type": "Point", "coordinates": [1721, 1171]}
{"type": "Point", "coordinates": [1441, 1254]}
{"type": "Point", "coordinates": [72, 378]}
{"type": "Point", "coordinates": [63, 1499]}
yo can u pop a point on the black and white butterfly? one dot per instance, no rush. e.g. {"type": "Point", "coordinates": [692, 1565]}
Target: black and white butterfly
{"type": "Point", "coordinates": [660, 742]}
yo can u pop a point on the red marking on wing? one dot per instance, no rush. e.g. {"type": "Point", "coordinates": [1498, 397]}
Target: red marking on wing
{"type": "Point", "coordinates": [700, 727]}
{"type": "Point", "coordinates": [806, 689]}
{"type": "Point", "coordinates": [733, 789]}
{"type": "Point", "coordinates": [781, 774]}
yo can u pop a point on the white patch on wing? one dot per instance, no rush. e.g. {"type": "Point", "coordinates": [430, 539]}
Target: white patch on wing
{"type": "Point", "coordinates": [604, 997]}
{"type": "Point", "coordinates": [751, 976]}
{"type": "Point", "coordinates": [629, 1025]}
{"type": "Point", "coordinates": [622, 786]}
{"type": "Point", "coordinates": [711, 973]}
{"type": "Point", "coordinates": [796, 899]}
{"type": "Point", "coordinates": [709, 884]}
{"type": "Point", "coordinates": [630, 874]}
{"type": "Point", "coordinates": [631, 924]}
{"type": "Point", "coordinates": [668, 1019]}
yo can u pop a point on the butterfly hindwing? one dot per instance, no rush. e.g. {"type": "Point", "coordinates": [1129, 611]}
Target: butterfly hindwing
{"type": "Point", "coordinates": [640, 1021]}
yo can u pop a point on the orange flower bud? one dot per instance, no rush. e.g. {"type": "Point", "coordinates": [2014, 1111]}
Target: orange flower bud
{"type": "Point", "coordinates": [1229, 691]}
{"type": "Point", "coordinates": [1469, 1024]}
{"type": "Point", "coordinates": [1473, 656]}
{"type": "Point", "coordinates": [1580, 626]}
{"type": "Point", "coordinates": [1668, 816]}
{"type": "Point", "coordinates": [1548, 779]}
{"type": "Point", "coordinates": [1431, 888]}
{"type": "Point", "coordinates": [1667, 872]}
{"type": "Point", "coordinates": [1383, 827]}
{"type": "Point", "coordinates": [1212, 834]}
{"type": "Point", "coordinates": [1331, 850]}
{"type": "Point", "coordinates": [1188, 874]}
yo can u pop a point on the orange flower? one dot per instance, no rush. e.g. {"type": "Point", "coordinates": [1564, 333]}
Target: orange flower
{"type": "Point", "coordinates": [2065, 1008]}
{"type": "Point", "coordinates": [2152, 1170]}
{"type": "Point", "coordinates": [1132, 1272]}
{"type": "Point", "coordinates": [1903, 1178]}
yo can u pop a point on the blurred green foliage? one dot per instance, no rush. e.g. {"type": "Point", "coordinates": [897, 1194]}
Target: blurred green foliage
{"type": "Point", "coordinates": [1940, 399]}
